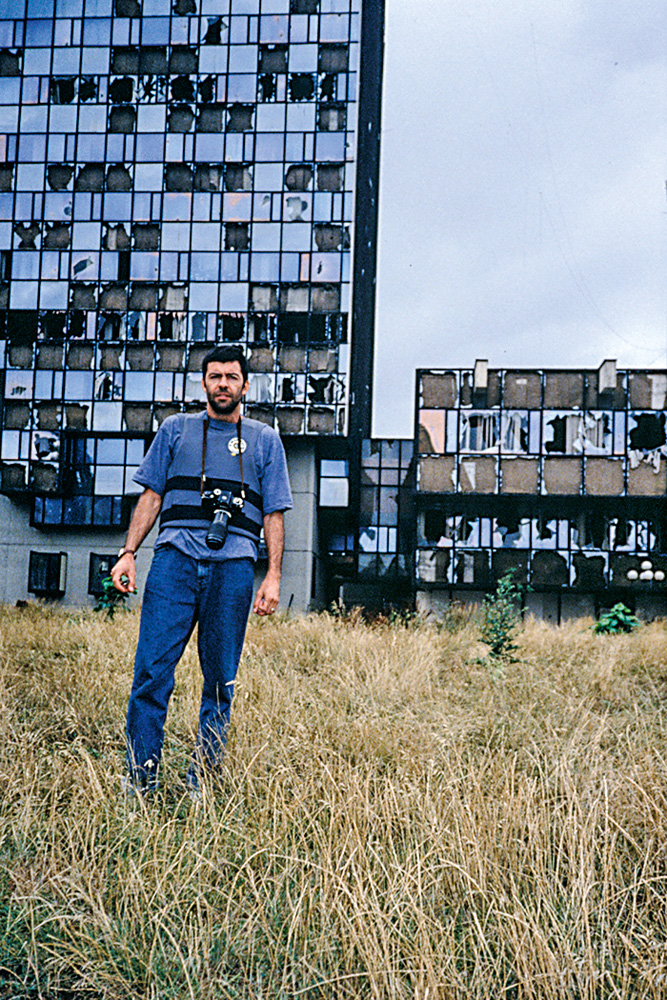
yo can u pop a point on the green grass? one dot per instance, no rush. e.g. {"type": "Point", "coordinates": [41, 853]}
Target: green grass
{"type": "Point", "coordinates": [393, 819]}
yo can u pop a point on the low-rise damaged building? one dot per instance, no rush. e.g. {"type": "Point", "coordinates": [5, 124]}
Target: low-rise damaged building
{"type": "Point", "coordinates": [558, 475]}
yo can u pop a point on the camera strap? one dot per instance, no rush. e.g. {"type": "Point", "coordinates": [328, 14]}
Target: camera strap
{"type": "Point", "coordinates": [202, 485]}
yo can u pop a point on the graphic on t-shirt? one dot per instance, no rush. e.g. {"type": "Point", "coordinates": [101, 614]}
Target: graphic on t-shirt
{"type": "Point", "coordinates": [233, 445]}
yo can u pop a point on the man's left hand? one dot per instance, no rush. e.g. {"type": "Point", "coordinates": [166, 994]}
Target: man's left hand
{"type": "Point", "coordinates": [268, 594]}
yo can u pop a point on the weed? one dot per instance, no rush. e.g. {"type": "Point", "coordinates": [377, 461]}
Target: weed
{"type": "Point", "coordinates": [501, 618]}
{"type": "Point", "coordinates": [617, 620]}
{"type": "Point", "coordinates": [111, 600]}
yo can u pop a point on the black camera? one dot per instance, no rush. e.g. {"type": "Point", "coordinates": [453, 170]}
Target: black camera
{"type": "Point", "coordinates": [223, 503]}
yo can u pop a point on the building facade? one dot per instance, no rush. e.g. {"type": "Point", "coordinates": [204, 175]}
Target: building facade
{"type": "Point", "coordinates": [559, 475]}
{"type": "Point", "coordinates": [175, 173]}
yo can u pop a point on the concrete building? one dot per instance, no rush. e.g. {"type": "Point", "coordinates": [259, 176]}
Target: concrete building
{"type": "Point", "coordinates": [175, 173]}
{"type": "Point", "coordinates": [560, 475]}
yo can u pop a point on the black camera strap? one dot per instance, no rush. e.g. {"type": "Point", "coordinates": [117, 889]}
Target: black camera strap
{"type": "Point", "coordinates": [202, 485]}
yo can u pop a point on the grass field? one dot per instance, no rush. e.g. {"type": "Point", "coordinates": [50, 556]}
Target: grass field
{"type": "Point", "coordinates": [394, 818]}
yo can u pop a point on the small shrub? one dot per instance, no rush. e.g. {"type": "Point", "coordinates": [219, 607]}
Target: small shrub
{"type": "Point", "coordinates": [500, 617]}
{"type": "Point", "coordinates": [617, 620]}
{"type": "Point", "coordinates": [110, 600]}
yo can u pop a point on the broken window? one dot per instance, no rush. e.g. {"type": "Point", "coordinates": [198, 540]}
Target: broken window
{"type": "Point", "coordinates": [238, 177]}
{"type": "Point", "coordinates": [297, 208]}
{"type": "Point", "coordinates": [563, 433]}
{"type": "Point", "coordinates": [121, 90]}
{"type": "Point", "coordinates": [178, 177]}
{"type": "Point", "coordinates": [622, 535]}
{"type": "Point", "coordinates": [109, 326]}
{"type": "Point", "coordinates": [272, 59]}
{"type": "Point", "coordinates": [511, 533]}
{"type": "Point", "coordinates": [62, 89]}
{"type": "Point", "coordinates": [267, 84]}
{"type": "Point", "coordinates": [293, 328]}
{"type": "Point", "coordinates": [206, 90]}
{"type": "Point", "coordinates": [145, 236]}
{"type": "Point", "coordinates": [301, 87]}
{"type": "Point", "coordinates": [237, 236]}
{"type": "Point", "coordinates": [122, 119]}
{"type": "Point", "coordinates": [90, 177]}
{"type": "Point", "coordinates": [180, 118]}
{"type": "Point", "coordinates": [119, 178]}
{"type": "Point", "coordinates": [646, 432]}
{"type": "Point", "coordinates": [88, 88]}
{"type": "Point", "coordinates": [59, 176]}
{"type": "Point", "coordinates": [328, 87]}
{"type": "Point", "coordinates": [213, 33]}
{"type": "Point", "coordinates": [544, 533]}
{"type": "Point", "coordinates": [6, 176]}
{"type": "Point", "coordinates": [183, 61]}
{"type": "Point", "coordinates": [240, 117]}
{"type": "Point", "coordinates": [210, 118]}
{"type": "Point", "coordinates": [328, 237]}
{"type": "Point", "coordinates": [331, 117]}
{"type": "Point", "coordinates": [232, 326]}
{"type": "Point", "coordinates": [590, 531]}
{"type": "Point", "coordinates": [208, 177]}
{"type": "Point", "coordinates": [304, 6]}
{"type": "Point", "coordinates": [182, 89]}
{"type": "Point", "coordinates": [299, 177]}
{"type": "Point", "coordinates": [27, 234]}
{"type": "Point", "coordinates": [10, 62]}
{"type": "Point", "coordinates": [590, 572]}
{"type": "Point", "coordinates": [127, 8]}
{"type": "Point", "coordinates": [332, 58]}
{"type": "Point", "coordinates": [479, 432]}
{"type": "Point", "coordinates": [152, 90]}
{"type": "Point", "coordinates": [515, 432]}
{"type": "Point", "coordinates": [596, 436]}
{"type": "Point", "coordinates": [57, 236]}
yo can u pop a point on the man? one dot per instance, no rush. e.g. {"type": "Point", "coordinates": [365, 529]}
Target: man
{"type": "Point", "coordinates": [189, 582]}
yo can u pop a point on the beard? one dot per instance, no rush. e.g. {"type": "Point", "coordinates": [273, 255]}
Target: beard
{"type": "Point", "coordinates": [224, 408]}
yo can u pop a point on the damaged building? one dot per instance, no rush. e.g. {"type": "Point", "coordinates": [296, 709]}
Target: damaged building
{"type": "Point", "coordinates": [558, 475]}
{"type": "Point", "coordinates": [174, 176]}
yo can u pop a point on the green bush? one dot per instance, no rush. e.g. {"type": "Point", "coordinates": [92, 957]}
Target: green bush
{"type": "Point", "coordinates": [617, 620]}
{"type": "Point", "coordinates": [501, 617]}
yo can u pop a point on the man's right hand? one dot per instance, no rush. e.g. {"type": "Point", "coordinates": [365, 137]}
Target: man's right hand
{"type": "Point", "coordinates": [124, 574]}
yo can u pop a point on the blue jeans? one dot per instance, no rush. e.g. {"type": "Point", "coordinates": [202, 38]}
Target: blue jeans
{"type": "Point", "coordinates": [179, 592]}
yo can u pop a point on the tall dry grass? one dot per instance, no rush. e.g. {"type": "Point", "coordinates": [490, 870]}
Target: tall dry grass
{"type": "Point", "coordinates": [393, 819]}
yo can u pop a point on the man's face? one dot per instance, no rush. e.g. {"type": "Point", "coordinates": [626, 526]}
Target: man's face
{"type": "Point", "coordinates": [224, 387]}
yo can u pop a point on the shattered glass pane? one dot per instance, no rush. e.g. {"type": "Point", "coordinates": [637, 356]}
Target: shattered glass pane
{"type": "Point", "coordinates": [479, 431]}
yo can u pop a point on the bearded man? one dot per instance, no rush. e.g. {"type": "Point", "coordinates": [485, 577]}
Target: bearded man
{"type": "Point", "coordinates": [215, 479]}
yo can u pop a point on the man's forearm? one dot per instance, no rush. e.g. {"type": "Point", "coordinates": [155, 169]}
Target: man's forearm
{"type": "Point", "coordinates": [148, 507]}
{"type": "Point", "coordinates": [143, 519]}
{"type": "Point", "coordinates": [274, 536]}
{"type": "Point", "coordinates": [268, 594]}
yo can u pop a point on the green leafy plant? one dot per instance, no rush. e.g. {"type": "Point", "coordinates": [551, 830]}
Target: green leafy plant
{"type": "Point", "coordinates": [617, 620]}
{"type": "Point", "coordinates": [501, 617]}
{"type": "Point", "coordinates": [111, 600]}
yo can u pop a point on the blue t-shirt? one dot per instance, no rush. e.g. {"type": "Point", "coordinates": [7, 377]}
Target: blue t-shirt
{"type": "Point", "coordinates": [271, 466]}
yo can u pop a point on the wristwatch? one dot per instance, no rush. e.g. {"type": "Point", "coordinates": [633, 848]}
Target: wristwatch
{"type": "Point", "coordinates": [125, 552]}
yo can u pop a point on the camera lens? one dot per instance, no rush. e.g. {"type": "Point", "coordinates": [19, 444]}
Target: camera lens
{"type": "Point", "coordinates": [217, 533]}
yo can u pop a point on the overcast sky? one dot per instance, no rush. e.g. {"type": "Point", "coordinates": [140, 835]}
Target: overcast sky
{"type": "Point", "coordinates": [523, 215]}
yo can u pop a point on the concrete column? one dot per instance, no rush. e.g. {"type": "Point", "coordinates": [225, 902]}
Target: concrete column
{"type": "Point", "coordinates": [300, 527]}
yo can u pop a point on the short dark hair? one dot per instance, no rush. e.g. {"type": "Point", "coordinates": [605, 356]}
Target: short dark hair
{"type": "Point", "coordinates": [225, 353]}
